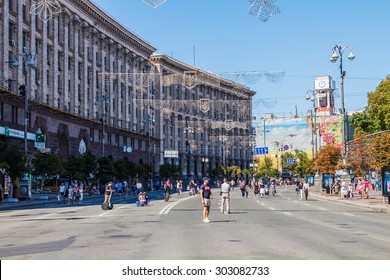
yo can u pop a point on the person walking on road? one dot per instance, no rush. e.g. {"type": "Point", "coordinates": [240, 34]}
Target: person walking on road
{"type": "Point", "coordinates": [306, 188]}
{"type": "Point", "coordinates": [300, 190]}
{"type": "Point", "coordinates": [225, 197]}
{"type": "Point", "coordinates": [206, 196]}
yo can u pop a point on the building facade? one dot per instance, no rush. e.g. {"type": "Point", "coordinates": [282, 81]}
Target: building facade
{"type": "Point", "coordinates": [205, 119]}
{"type": "Point", "coordinates": [90, 85]}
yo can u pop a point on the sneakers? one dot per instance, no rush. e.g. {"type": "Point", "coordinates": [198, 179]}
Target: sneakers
{"type": "Point", "coordinates": [206, 221]}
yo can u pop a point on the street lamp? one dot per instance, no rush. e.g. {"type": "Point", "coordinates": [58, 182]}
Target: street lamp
{"type": "Point", "coordinates": [337, 53]}
{"type": "Point", "coordinates": [314, 140]}
{"type": "Point", "coordinates": [28, 59]}
{"type": "Point", "coordinates": [150, 121]}
{"type": "Point", "coordinates": [102, 119]}
{"type": "Point", "coordinates": [204, 160]}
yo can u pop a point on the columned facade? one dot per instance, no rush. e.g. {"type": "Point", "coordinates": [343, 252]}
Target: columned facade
{"type": "Point", "coordinates": [205, 118]}
{"type": "Point", "coordinates": [85, 60]}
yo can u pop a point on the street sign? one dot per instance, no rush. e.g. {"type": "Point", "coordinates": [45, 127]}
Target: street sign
{"type": "Point", "coordinates": [171, 153]}
{"type": "Point", "coordinates": [261, 151]}
{"type": "Point", "coordinates": [291, 161]}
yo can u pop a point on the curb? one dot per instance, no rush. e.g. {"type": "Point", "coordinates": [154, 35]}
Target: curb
{"type": "Point", "coordinates": [383, 208]}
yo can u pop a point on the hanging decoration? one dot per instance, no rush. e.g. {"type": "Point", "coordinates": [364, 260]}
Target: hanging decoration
{"type": "Point", "coordinates": [45, 9]}
{"type": "Point", "coordinates": [263, 9]}
{"type": "Point", "coordinates": [155, 3]}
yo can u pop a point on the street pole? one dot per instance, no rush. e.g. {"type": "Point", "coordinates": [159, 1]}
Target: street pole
{"type": "Point", "coordinates": [28, 59]}
{"type": "Point", "coordinates": [338, 51]}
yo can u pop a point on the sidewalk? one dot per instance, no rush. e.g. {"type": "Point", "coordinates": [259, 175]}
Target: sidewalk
{"type": "Point", "coordinates": [375, 201]}
{"type": "Point", "coordinates": [38, 199]}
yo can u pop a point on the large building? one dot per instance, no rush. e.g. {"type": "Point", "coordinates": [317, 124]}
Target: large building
{"type": "Point", "coordinates": [89, 91]}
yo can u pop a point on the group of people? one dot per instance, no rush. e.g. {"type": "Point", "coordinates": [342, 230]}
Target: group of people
{"type": "Point", "coordinates": [74, 193]}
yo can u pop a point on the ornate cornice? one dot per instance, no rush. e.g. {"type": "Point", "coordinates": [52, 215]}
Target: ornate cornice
{"type": "Point", "coordinates": [177, 66]}
{"type": "Point", "coordinates": [104, 23]}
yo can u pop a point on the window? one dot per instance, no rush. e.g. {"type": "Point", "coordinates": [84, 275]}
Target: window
{"type": "Point", "coordinates": [14, 114]}
{"type": "Point", "coordinates": [24, 12]}
{"type": "Point", "coordinates": [1, 111]}
{"type": "Point", "coordinates": [92, 134]}
{"type": "Point", "coordinates": [11, 32]}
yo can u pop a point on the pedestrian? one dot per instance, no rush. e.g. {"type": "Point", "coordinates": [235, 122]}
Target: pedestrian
{"type": "Point", "coordinates": [256, 190]}
{"type": "Point", "coordinates": [366, 187]}
{"type": "Point", "coordinates": [119, 188]}
{"type": "Point", "coordinates": [70, 195]}
{"type": "Point", "coordinates": [81, 192]}
{"type": "Point", "coordinates": [306, 187]}
{"type": "Point", "coordinates": [206, 196]}
{"type": "Point", "coordinates": [62, 193]}
{"type": "Point", "coordinates": [242, 188]}
{"type": "Point", "coordinates": [107, 193]}
{"type": "Point", "coordinates": [300, 190]}
{"type": "Point", "coordinates": [179, 186]}
{"type": "Point", "coordinates": [225, 197]}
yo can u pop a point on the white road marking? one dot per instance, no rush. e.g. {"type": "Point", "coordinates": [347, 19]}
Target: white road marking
{"type": "Point", "coordinates": [306, 205]}
{"type": "Point", "coordinates": [323, 209]}
{"type": "Point", "coordinates": [271, 208]}
{"type": "Point", "coordinates": [289, 214]}
{"type": "Point", "coordinates": [349, 214]}
{"type": "Point", "coordinates": [168, 208]}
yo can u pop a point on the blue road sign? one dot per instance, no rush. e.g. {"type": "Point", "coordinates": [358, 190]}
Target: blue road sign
{"type": "Point", "coordinates": [261, 151]}
{"type": "Point", "coordinates": [291, 161]}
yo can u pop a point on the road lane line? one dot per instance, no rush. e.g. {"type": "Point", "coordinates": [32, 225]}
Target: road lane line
{"type": "Point", "coordinates": [289, 214]}
{"type": "Point", "coordinates": [168, 208]}
{"type": "Point", "coordinates": [323, 209]}
{"type": "Point", "coordinates": [352, 215]}
{"type": "Point", "coordinates": [271, 208]}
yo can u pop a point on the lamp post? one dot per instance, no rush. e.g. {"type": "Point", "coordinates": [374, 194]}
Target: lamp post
{"type": "Point", "coordinates": [28, 59]}
{"type": "Point", "coordinates": [150, 121]}
{"type": "Point", "coordinates": [204, 161]}
{"type": "Point", "coordinates": [337, 53]}
{"type": "Point", "coordinates": [102, 119]}
{"type": "Point", "coordinates": [314, 139]}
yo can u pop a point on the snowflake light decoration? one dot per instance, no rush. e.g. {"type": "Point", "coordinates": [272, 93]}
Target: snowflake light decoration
{"type": "Point", "coordinates": [45, 8]}
{"type": "Point", "coordinates": [155, 3]}
{"type": "Point", "coordinates": [263, 9]}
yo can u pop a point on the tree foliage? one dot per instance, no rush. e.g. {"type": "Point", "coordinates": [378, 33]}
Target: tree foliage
{"type": "Point", "coordinates": [328, 159]}
{"type": "Point", "coordinates": [14, 162]}
{"type": "Point", "coordinates": [47, 165]}
{"type": "Point", "coordinates": [168, 170]}
{"type": "Point", "coordinates": [370, 148]}
{"type": "Point", "coordinates": [376, 117]}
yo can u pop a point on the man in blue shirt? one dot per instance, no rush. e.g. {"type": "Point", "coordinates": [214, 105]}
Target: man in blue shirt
{"type": "Point", "coordinates": [206, 196]}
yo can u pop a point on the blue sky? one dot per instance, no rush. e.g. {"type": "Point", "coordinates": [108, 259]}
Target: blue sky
{"type": "Point", "coordinates": [298, 41]}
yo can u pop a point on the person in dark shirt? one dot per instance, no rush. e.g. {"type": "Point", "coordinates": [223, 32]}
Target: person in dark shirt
{"type": "Point", "coordinates": [206, 196]}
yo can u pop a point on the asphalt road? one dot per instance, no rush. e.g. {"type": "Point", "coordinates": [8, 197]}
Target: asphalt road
{"type": "Point", "coordinates": [271, 228]}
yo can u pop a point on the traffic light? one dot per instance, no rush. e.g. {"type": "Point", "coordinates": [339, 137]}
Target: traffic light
{"type": "Point", "coordinates": [22, 90]}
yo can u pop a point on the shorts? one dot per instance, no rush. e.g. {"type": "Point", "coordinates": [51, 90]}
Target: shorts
{"type": "Point", "coordinates": [207, 202]}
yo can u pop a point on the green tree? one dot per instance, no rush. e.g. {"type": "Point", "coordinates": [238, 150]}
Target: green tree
{"type": "Point", "coordinates": [46, 166]}
{"type": "Point", "coordinates": [289, 167]}
{"type": "Point", "coordinates": [106, 170]}
{"type": "Point", "coordinates": [15, 164]}
{"type": "Point", "coordinates": [75, 168]}
{"type": "Point", "coordinates": [233, 171]}
{"type": "Point", "coordinates": [90, 164]}
{"type": "Point", "coordinates": [376, 117]}
{"type": "Point", "coordinates": [168, 170]}
{"type": "Point", "coordinates": [265, 169]}
{"type": "Point", "coordinates": [304, 165]}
